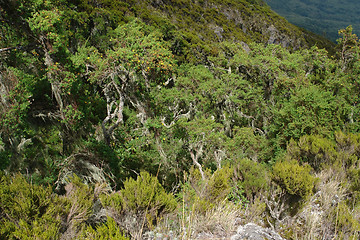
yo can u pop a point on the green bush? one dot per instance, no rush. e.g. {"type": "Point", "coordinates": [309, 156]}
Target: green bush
{"type": "Point", "coordinates": [202, 195]}
{"type": "Point", "coordinates": [251, 176]}
{"type": "Point", "coordinates": [247, 144]}
{"type": "Point", "coordinates": [219, 184]}
{"type": "Point", "coordinates": [348, 148]}
{"type": "Point", "coordinates": [314, 150]}
{"type": "Point", "coordinates": [4, 159]}
{"type": "Point", "coordinates": [346, 225]}
{"type": "Point", "coordinates": [28, 211]}
{"type": "Point", "coordinates": [354, 177]}
{"type": "Point", "coordinates": [294, 178]}
{"type": "Point", "coordinates": [113, 201]}
{"type": "Point", "coordinates": [146, 193]}
{"type": "Point", "coordinates": [106, 231]}
{"type": "Point", "coordinates": [79, 199]}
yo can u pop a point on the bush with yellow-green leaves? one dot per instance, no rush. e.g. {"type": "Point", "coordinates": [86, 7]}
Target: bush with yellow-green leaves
{"type": "Point", "coordinates": [29, 211]}
{"type": "Point", "coordinates": [296, 179]}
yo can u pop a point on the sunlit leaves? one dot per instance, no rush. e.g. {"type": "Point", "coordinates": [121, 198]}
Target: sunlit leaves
{"type": "Point", "coordinates": [309, 111]}
{"type": "Point", "coordinates": [45, 20]}
{"type": "Point", "coordinates": [134, 48]}
{"type": "Point", "coordinates": [142, 48]}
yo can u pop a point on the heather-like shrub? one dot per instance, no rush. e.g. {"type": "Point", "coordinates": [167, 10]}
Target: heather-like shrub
{"type": "Point", "coordinates": [80, 198]}
{"type": "Point", "coordinates": [316, 151]}
{"type": "Point", "coordinates": [348, 147]}
{"type": "Point", "coordinates": [294, 178]}
{"type": "Point", "coordinates": [146, 193]}
{"type": "Point", "coordinates": [203, 194]}
{"type": "Point", "coordinates": [346, 225]}
{"type": "Point", "coordinates": [113, 201]}
{"type": "Point", "coordinates": [354, 177]}
{"type": "Point", "coordinates": [205, 205]}
{"type": "Point", "coordinates": [106, 231]}
{"type": "Point", "coordinates": [219, 184]}
{"type": "Point", "coordinates": [251, 177]}
{"type": "Point", "coordinates": [28, 211]}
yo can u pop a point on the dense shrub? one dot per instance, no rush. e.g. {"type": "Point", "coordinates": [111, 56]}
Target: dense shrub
{"type": "Point", "coordinates": [347, 226]}
{"type": "Point", "coordinates": [146, 194]}
{"type": "Point", "coordinates": [105, 231]}
{"type": "Point", "coordinates": [251, 176]}
{"type": "Point", "coordinates": [294, 178]}
{"type": "Point", "coordinates": [113, 201]}
{"type": "Point", "coordinates": [28, 211]}
{"type": "Point", "coordinates": [348, 148]}
{"type": "Point", "coordinates": [315, 150]}
{"type": "Point", "coordinates": [201, 194]}
{"type": "Point", "coordinates": [180, 87]}
{"type": "Point", "coordinates": [219, 184]}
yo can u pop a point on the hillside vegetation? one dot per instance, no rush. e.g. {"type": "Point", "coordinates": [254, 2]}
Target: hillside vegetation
{"type": "Point", "coordinates": [174, 119]}
{"type": "Point", "coordinates": [322, 17]}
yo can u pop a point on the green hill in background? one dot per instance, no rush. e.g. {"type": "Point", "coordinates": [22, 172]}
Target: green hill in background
{"type": "Point", "coordinates": [199, 24]}
{"type": "Point", "coordinates": [324, 17]}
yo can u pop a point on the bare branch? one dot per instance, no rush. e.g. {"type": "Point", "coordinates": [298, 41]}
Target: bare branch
{"type": "Point", "coordinates": [219, 155]}
{"type": "Point", "coordinates": [177, 115]}
{"type": "Point", "coordinates": [117, 113]}
{"type": "Point", "coordinates": [196, 151]}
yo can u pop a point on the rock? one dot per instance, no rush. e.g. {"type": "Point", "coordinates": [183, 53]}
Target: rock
{"type": "Point", "coordinates": [275, 37]}
{"type": "Point", "coordinates": [156, 235]}
{"type": "Point", "coordinates": [252, 231]}
{"type": "Point", "coordinates": [218, 31]}
{"type": "Point", "coordinates": [274, 34]}
{"type": "Point", "coordinates": [245, 47]}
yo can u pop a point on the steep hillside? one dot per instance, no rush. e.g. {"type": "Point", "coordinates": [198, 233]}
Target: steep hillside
{"type": "Point", "coordinates": [199, 24]}
{"type": "Point", "coordinates": [322, 17]}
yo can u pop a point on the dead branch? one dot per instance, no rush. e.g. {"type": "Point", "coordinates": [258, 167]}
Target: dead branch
{"type": "Point", "coordinates": [196, 151]}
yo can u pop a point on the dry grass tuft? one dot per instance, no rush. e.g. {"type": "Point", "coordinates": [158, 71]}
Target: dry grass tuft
{"type": "Point", "coordinates": [220, 221]}
{"type": "Point", "coordinates": [314, 217]}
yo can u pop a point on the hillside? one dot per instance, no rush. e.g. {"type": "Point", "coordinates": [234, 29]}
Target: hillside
{"type": "Point", "coordinates": [201, 23]}
{"type": "Point", "coordinates": [174, 119]}
{"type": "Point", "coordinates": [322, 17]}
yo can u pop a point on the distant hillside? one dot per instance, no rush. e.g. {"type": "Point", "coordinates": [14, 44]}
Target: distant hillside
{"type": "Point", "coordinates": [198, 24]}
{"type": "Point", "coordinates": [324, 17]}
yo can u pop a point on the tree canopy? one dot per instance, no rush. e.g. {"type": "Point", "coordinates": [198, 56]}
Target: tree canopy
{"type": "Point", "coordinates": [96, 94]}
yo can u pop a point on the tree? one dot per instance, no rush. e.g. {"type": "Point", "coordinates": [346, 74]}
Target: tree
{"type": "Point", "coordinates": [138, 60]}
{"type": "Point", "coordinates": [348, 45]}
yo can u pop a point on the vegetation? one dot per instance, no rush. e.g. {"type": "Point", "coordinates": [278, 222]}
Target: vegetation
{"type": "Point", "coordinates": [117, 121]}
{"type": "Point", "coordinates": [322, 17]}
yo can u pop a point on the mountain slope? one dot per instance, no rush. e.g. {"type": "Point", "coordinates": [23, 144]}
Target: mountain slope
{"type": "Point", "coordinates": [322, 17]}
{"type": "Point", "coordinates": [200, 23]}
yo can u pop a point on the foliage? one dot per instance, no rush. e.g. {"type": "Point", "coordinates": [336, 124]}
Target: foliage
{"type": "Point", "coordinates": [113, 201]}
{"type": "Point", "coordinates": [192, 92]}
{"type": "Point", "coordinates": [247, 144]}
{"type": "Point", "coordinates": [108, 230]}
{"type": "Point", "coordinates": [80, 198]}
{"type": "Point", "coordinates": [309, 111]}
{"type": "Point", "coordinates": [294, 178]}
{"type": "Point", "coordinates": [345, 223]}
{"type": "Point", "coordinates": [250, 176]}
{"type": "Point", "coordinates": [201, 195]}
{"type": "Point", "coordinates": [146, 194]}
{"type": "Point", "coordinates": [315, 150]}
{"type": "Point", "coordinates": [28, 211]}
